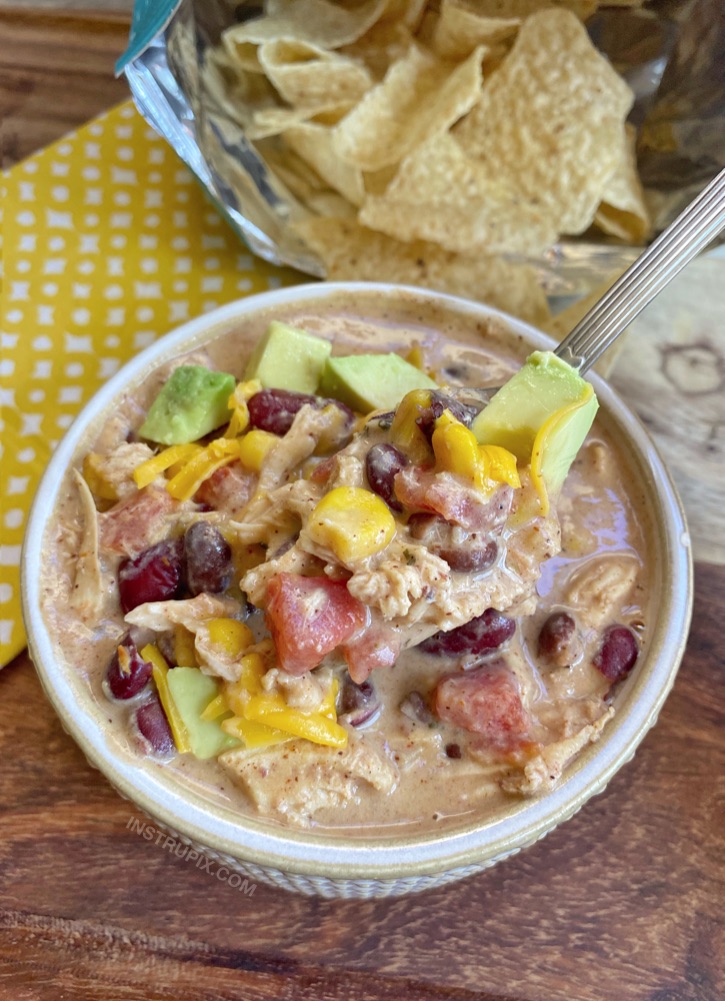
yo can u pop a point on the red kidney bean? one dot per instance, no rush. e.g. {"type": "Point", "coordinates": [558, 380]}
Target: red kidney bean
{"type": "Point", "coordinates": [472, 554]}
{"type": "Point", "coordinates": [154, 575]}
{"type": "Point", "coordinates": [274, 410]}
{"type": "Point", "coordinates": [382, 464]}
{"type": "Point", "coordinates": [358, 703]}
{"type": "Point", "coordinates": [486, 632]}
{"type": "Point", "coordinates": [438, 403]}
{"type": "Point", "coordinates": [207, 558]}
{"type": "Point", "coordinates": [559, 641]}
{"type": "Point", "coordinates": [127, 674]}
{"type": "Point", "coordinates": [618, 653]}
{"type": "Point", "coordinates": [153, 726]}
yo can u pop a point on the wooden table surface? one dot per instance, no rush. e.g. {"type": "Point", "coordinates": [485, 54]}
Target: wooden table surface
{"type": "Point", "coordinates": [623, 902]}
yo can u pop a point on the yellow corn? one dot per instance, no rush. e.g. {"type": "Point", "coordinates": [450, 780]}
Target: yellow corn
{"type": "Point", "coordinates": [190, 477]}
{"type": "Point", "coordinates": [160, 670]}
{"type": "Point", "coordinates": [93, 475]}
{"type": "Point", "coordinates": [184, 653]}
{"type": "Point", "coordinates": [501, 464]}
{"type": "Point", "coordinates": [254, 447]}
{"type": "Point", "coordinates": [148, 471]}
{"type": "Point", "coordinates": [216, 708]}
{"type": "Point", "coordinates": [237, 403]}
{"type": "Point", "coordinates": [405, 433]}
{"type": "Point", "coordinates": [456, 451]}
{"type": "Point", "coordinates": [252, 733]}
{"type": "Point", "coordinates": [352, 522]}
{"type": "Point", "coordinates": [231, 636]}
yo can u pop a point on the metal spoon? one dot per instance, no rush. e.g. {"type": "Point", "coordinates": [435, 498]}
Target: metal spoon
{"type": "Point", "coordinates": [665, 257]}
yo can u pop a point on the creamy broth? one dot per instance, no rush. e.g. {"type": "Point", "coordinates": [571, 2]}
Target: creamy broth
{"type": "Point", "coordinates": [429, 773]}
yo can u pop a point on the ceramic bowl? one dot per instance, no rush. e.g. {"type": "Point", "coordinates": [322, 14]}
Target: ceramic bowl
{"type": "Point", "coordinates": [329, 864]}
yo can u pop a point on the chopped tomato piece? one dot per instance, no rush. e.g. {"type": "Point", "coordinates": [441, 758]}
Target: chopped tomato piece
{"type": "Point", "coordinates": [486, 701]}
{"type": "Point", "coordinates": [136, 523]}
{"type": "Point", "coordinates": [420, 489]}
{"type": "Point", "coordinates": [310, 617]}
{"type": "Point", "coordinates": [228, 489]}
{"type": "Point", "coordinates": [375, 647]}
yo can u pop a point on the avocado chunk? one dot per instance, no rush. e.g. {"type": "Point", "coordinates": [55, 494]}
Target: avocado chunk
{"type": "Point", "coordinates": [371, 382]}
{"type": "Point", "coordinates": [192, 402]}
{"type": "Point", "coordinates": [542, 415]}
{"type": "Point", "coordinates": [192, 692]}
{"type": "Point", "coordinates": [288, 358]}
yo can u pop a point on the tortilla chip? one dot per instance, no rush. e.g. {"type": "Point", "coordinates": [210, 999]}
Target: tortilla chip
{"type": "Point", "coordinates": [441, 194]}
{"type": "Point", "coordinates": [305, 74]}
{"type": "Point", "coordinates": [549, 123]}
{"type": "Point", "coordinates": [407, 12]}
{"type": "Point", "coordinates": [382, 45]}
{"type": "Point", "coordinates": [420, 97]}
{"type": "Point", "coordinates": [331, 204]}
{"type": "Point", "coordinates": [315, 144]}
{"type": "Point", "coordinates": [351, 252]}
{"type": "Point", "coordinates": [237, 92]}
{"type": "Point", "coordinates": [524, 8]}
{"type": "Point", "coordinates": [275, 120]}
{"type": "Point", "coordinates": [317, 21]}
{"type": "Point", "coordinates": [623, 212]}
{"type": "Point", "coordinates": [460, 28]}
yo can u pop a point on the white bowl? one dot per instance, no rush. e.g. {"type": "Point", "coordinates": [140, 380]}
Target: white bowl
{"type": "Point", "coordinates": [327, 864]}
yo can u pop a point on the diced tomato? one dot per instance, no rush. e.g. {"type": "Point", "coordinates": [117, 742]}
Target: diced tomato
{"type": "Point", "coordinates": [310, 617]}
{"type": "Point", "coordinates": [420, 489]}
{"type": "Point", "coordinates": [375, 647]}
{"type": "Point", "coordinates": [136, 523]}
{"type": "Point", "coordinates": [228, 489]}
{"type": "Point", "coordinates": [486, 701]}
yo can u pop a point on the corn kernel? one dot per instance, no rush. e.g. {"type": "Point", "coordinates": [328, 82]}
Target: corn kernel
{"type": "Point", "coordinates": [352, 522]}
{"type": "Point", "coordinates": [456, 451]}
{"type": "Point", "coordinates": [254, 448]}
{"type": "Point", "coordinates": [231, 636]}
{"type": "Point", "coordinates": [405, 433]}
{"type": "Point", "coordinates": [501, 464]}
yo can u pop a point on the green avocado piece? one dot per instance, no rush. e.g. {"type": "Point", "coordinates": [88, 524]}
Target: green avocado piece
{"type": "Point", "coordinates": [371, 382]}
{"type": "Point", "coordinates": [542, 415]}
{"type": "Point", "coordinates": [192, 692]}
{"type": "Point", "coordinates": [288, 358]}
{"type": "Point", "coordinates": [192, 402]}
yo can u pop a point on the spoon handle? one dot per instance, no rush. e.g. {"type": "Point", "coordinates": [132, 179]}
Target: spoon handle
{"type": "Point", "coordinates": [675, 247]}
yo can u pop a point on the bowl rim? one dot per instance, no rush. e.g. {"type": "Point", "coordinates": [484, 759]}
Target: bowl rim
{"type": "Point", "coordinates": [333, 855]}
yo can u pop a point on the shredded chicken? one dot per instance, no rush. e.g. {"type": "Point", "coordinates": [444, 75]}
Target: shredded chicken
{"type": "Point", "coordinates": [297, 779]}
{"type": "Point", "coordinates": [116, 467]}
{"type": "Point", "coordinates": [543, 771]}
{"type": "Point", "coordinates": [188, 612]}
{"type": "Point", "coordinates": [86, 596]}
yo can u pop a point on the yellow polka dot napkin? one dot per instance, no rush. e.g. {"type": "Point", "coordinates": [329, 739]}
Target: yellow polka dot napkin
{"type": "Point", "coordinates": [107, 243]}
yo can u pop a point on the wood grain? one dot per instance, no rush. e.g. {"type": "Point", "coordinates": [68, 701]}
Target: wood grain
{"type": "Point", "coordinates": [56, 72]}
{"type": "Point", "coordinates": [623, 902]}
